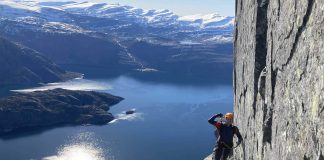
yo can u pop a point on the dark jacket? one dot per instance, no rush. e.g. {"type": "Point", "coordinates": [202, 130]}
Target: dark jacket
{"type": "Point", "coordinates": [225, 133]}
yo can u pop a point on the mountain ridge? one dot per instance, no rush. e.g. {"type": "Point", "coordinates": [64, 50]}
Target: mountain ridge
{"type": "Point", "coordinates": [203, 24]}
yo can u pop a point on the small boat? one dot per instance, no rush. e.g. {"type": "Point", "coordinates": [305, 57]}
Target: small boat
{"type": "Point", "coordinates": [130, 112]}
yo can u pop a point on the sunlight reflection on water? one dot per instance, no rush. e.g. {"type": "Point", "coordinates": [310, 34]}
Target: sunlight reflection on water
{"type": "Point", "coordinates": [82, 147]}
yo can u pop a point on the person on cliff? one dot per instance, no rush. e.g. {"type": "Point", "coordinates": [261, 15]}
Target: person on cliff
{"type": "Point", "coordinates": [224, 134]}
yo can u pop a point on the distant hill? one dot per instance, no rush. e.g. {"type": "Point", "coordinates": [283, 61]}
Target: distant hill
{"type": "Point", "coordinates": [21, 65]}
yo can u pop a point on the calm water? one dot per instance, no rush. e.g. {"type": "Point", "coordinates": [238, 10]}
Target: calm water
{"type": "Point", "coordinates": [170, 124]}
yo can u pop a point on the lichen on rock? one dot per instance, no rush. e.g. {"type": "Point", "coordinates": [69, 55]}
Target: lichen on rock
{"type": "Point", "coordinates": [280, 112]}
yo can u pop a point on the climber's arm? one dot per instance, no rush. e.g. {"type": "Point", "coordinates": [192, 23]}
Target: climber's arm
{"type": "Point", "coordinates": [215, 123]}
{"type": "Point", "coordinates": [238, 134]}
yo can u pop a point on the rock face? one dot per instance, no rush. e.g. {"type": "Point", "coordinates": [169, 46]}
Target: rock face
{"type": "Point", "coordinates": [279, 79]}
{"type": "Point", "coordinates": [55, 107]}
{"type": "Point", "coordinates": [21, 65]}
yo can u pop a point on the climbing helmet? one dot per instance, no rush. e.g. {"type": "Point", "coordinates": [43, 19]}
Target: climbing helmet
{"type": "Point", "coordinates": [229, 116]}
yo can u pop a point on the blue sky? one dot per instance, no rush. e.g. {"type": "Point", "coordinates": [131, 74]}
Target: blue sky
{"type": "Point", "coordinates": [181, 7]}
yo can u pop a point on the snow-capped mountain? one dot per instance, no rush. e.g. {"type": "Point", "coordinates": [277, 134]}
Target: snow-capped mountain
{"type": "Point", "coordinates": [163, 23]}
{"type": "Point", "coordinates": [119, 39]}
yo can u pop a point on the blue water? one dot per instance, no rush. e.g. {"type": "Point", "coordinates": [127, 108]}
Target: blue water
{"type": "Point", "coordinates": [170, 123]}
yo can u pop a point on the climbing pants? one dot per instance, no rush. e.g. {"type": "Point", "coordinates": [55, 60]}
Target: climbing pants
{"type": "Point", "coordinates": [221, 152]}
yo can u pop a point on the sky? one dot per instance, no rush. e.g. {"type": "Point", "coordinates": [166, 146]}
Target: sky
{"type": "Point", "coordinates": [180, 7]}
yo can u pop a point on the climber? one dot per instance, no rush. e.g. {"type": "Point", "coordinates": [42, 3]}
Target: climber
{"type": "Point", "coordinates": [224, 134]}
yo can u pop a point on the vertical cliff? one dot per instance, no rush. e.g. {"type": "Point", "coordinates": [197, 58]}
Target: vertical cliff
{"type": "Point", "coordinates": [279, 79]}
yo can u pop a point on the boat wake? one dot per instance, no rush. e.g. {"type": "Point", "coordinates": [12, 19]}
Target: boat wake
{"type": "Point", "coordinates": [123, 116]}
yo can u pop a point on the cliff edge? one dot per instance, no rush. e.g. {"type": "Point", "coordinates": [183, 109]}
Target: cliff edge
{"type": "Point", "coordinates": [279, 79]}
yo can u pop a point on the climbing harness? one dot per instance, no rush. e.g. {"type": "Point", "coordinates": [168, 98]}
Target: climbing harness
{"type": "Point", "coordinates": [228, 147]}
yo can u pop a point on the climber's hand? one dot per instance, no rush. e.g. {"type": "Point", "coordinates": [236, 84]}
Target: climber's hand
{"type": "Point", "coordinates": [219, 115]}
{"type": "Point", "coordinates": [238, 142]}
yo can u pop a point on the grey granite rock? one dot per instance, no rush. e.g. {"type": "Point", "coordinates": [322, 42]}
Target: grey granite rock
{"type": "Point", "coordinates": [55, 107]}
{"type": "Point", "coordinates": [279, 79]}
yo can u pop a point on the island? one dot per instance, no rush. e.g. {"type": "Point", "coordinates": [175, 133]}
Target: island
{"type": "Point", "coordinates": [22, 111]}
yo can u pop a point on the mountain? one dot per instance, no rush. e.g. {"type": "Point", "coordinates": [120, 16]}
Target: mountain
{"type": "Point", "coordinates": [22, 65]}
{"type": "Point", "coordinates": [105, 36]}
{"type": "Point", "coordinates": [120, 18]}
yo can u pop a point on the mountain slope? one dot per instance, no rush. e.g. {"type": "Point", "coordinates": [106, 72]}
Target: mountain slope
{"type": "Point", "coordinates": [21, 65]}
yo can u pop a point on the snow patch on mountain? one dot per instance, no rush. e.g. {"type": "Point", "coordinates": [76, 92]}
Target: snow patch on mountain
{"type": "Point", "coordinates": [20, 5]}
{"type": "Point", "coordinates": [49, 3]}
{"type": "Point", "coordinates": [220, 39]}
{"type": "Point", "coordinates": [60, 27]}
{"type": "Point", "coordinates": [204, 19]}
